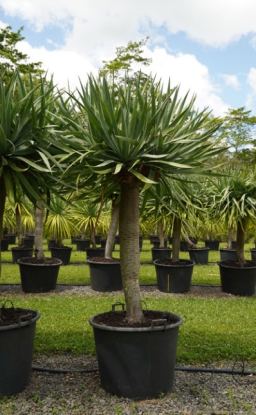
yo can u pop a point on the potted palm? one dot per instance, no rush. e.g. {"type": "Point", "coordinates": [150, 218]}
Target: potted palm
{"type": "Point", "coordinates": [174, 275]}
{"type": "Point", "coordinates": [24, 219]}
{"type": "Point", "coordinates": [60, 223]}
{"type": "Point", "coordinates": [135, 136]}
{"type": "Point", "coordinates": [237, 202]}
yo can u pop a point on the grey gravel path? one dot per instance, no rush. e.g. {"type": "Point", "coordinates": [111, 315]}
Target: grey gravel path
{"type": "Point", "coordinates": [81, 394]}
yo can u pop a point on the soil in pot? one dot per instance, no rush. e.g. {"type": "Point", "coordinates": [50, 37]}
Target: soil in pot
{"type": "Point", "coordinates": [39, 275]}
{"type": "Point", "coordinates": [17, 333]}
{"type": "Point", "coordinates": [238, 280]}
{"type": "Point", "coordinates": [174, 276]}
{"type": "Point", "coordinates": [136, 361]}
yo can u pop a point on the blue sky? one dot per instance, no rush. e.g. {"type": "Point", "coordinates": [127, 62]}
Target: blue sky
{"type": "Point", "coordinates": [208, 47]}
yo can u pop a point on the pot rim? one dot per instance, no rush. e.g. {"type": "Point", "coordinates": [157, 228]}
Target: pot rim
{"type": "Point", "coordinates": [102, 262]}
{"type": "Point", "coordinates": [220, 263]}
{"type": "Point", "coordinates": [191, 264]}
{"type": "Point", "coordinates": [22, 323]}
{"type": "Point", "coordinates": [136, 329]}
{"type": "Point", "coordinates": [19, 261]}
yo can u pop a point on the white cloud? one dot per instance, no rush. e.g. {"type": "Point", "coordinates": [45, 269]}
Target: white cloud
{"type": "Point", "coordinates": [213, 22]}
{"type": "Point", "coordinates": [66, 66]}
{"type": "Point", "coordinates": [231, 80]}
{"type": "Point", "coordinates": [251, 81]}
{"type": "Point", "coordinates": [185, 70]}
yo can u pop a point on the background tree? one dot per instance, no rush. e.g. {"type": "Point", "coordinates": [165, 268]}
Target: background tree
{"type": "Point", "coordinates": [11, 58]}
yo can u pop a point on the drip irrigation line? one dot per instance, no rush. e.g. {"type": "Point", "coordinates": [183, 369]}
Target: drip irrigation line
{"type": "Point", "coordinates": [88, 285]}
{"type": "Point", "coordinates": [177, 368]}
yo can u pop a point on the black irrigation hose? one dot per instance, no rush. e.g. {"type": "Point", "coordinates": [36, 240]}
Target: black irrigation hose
{"type": "Point", "coordinates": [177, 368]}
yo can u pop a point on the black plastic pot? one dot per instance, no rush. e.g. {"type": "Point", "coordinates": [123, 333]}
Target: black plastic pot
{"type": "Point", "coordinates": [38, 278]}
{"type": "Point", "coordinates": [228, 254]}
{"type": "Point", "coordinates": [213, 245]}
{"type": "Point", "coordinates": [199, 255]}
{"type": "Point", "coordinates": [12, 238]}
{"type": "Point", "coordinates": [253, 254]}
{"type": "Point", "coordinates": [173, 278]}
{"type": "Point", "coordinates": [237, 280]}
{"type": "Point", "coordinates": [105, 276]}
{"type": "Point", "coordinates": [28, 242]}
{"type": "Point", "coordinates": [161, 253]}
{"type": "Point", "coordinates": [18, 253]}
{"type": "Point", "coordinates": [233, 244]}
{"type": "Point", "coordinates": [82, 244]}
{"type": "Point", "coordinates": [91, 252]}
{"type": "Point", "coordinates": [4, 244]}
{"type": "Point", "coordinates": [97, 239]}
{"type": "Point", "coordinates": [183, 246]}
{"type": "Point", "coordinates": [51, 244]}
{"type": "Point", "coordinates": [63, 253]}
{"type": "Point", "coordinates": [137, 363]}
{"type": "Point", "coordinates": [16, 352]}
{"type": "Point", "coordinates": [156, 243]}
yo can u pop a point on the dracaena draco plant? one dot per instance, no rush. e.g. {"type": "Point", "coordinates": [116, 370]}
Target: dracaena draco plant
{"type": "Point", "coordinates": [29, 150]}
{"type": "Point", "coordinates": [135, 136]}
{"type": "Point", "coordinates": [235, 202]}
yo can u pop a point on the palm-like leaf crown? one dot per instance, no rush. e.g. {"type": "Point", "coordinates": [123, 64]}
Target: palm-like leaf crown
{"type": "Point", "coordinates": [134, 130]}
{"type": "Point", "coordinates": [26, 147]}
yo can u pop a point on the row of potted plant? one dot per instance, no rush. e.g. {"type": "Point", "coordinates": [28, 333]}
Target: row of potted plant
{"type": "Point", "coordinates": [122, 140]}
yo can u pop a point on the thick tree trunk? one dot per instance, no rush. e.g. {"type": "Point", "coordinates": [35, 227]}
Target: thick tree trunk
{"type": "Point", "coordinates": [2, 207]}
{"type": "Point", "coordinates": [39, 222]}
{"type": "Point", "coordinates": [129, 232]}
{"type": "Point", "coordinates": [18, 223]}
{"type": "Point", "coordinates": [176, 233]}
{"type": "Point", "coordinates": [240, 241]}
{"type": "Point", "coordinates": [110, 242]}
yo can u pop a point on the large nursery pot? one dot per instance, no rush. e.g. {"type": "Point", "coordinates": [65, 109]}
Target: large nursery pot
{"type": "Point", "coordinates": [16, 348]}
{"type": "Point", "coordinates": [228, 254]}
{"type": "Point", "coordinates": [39, 276]}
{"type": "Point", "coordinates": [136, 362]}
{"type": "Point", "coordinates": [62, 252]}
{"type": "Point", "coordinates": [82, 244]}
{"type": "Point", "coordinates": [21, 252]}
{"type": "Point", "coordinates": [174, 277]}
{"type": "Point", "coordinates": [105, 275]}
{"type": "Point", "coordinates": [161, 253]}
{"type": "Point", "coordinates": [238, 280]}
{"type": "Point", "coordinates": [212, 244]}
{"type": "Point", "coordinates": [199, 255]}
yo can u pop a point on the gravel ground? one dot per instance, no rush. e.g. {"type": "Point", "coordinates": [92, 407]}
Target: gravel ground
{"type": "Point", "coordinates": [77, 393]}
{"type": "Point", "coordinates": [81, 394]}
